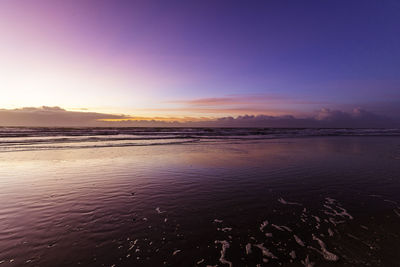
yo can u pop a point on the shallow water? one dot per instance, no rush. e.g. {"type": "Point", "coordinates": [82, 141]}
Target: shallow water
{"type": "Point", "coordinates": [322, 201]}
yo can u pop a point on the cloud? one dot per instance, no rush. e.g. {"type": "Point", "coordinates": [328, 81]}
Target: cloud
{"type": "Point", "coordinates": [51, 116]}
{"type": "Point", "coordinates": [238, 100]}
{"type": "Point", "coordinates": [235, 105]}
{"type": "Point", "coordinates": [215, 101]}
{"type": "Point", "coordinates": [324, 118]}
{"type": "Point", "coordinates": [358, 118]}
{"type": "Point", "coordinates": [215, 111]}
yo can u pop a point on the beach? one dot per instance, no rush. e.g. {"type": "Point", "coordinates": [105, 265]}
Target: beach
{"type": "Point", "coordinates": [187, 200]}
{"type": "Point", "coordinates": [199, 133]}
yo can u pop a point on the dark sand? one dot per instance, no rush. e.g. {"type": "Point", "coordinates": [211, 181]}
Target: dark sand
{"type": "Point", "coordinates": [328, 201]}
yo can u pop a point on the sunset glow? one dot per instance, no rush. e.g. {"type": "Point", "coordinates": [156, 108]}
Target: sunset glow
{"type": "Point", "coordinates": [175, 133]}
{"type": "Point", "coordinates": [167, 61]}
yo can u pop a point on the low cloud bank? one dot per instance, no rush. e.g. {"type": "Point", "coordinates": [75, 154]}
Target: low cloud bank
{"type": "Point", "coordinates": [325, 118]}
{"type": "Point", "coordinates": [50, 116]}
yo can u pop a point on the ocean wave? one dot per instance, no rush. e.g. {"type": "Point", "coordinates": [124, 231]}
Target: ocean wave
{"type": "Point", "coordinates": [39, 138]}
{"type": "Point", "coordinates": [81, 145]}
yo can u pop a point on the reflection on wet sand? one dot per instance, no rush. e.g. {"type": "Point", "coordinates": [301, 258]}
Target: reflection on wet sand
{"type": "Point", "coordinates": [297, 202]}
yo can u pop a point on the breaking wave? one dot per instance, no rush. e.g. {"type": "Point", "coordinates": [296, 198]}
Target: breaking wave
{"type": "Point", "coordinates": [39, 138]}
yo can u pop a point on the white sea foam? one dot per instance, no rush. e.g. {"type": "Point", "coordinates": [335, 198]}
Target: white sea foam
{"type": "Point", "coordinates": [286, 228]}
{"type": "Point", "coordinates": [330, 232]}
{"type": "Point", "coordinates": [281, 200]}
{"type": "Point", "coordinates": [277, 227]}
{"type": "Point", "coordinates": [263, 225]}
{"type": "Point", "coordinates": [390, 201]}
{"type": "Point", "coordinates": [281, 227]}
{"type": "Point", "coordinates": [159, 210]}
{"type": "Point", "coordinates": [225, 229]}
{"type": "Point", "coordinates": [225, 246]}
{"type": "Point", "coordinates": [330, 200]}
{"type": "Point", "coordinates": [292, 254]}
{"type": "Point", "coordinates": [218, 221]}
{"type": "Point", "coordinates": [176, 252]}
{"type": "Point", "coordinates": [133, 245]}
{"type": "Point", "coordinates": [298, 240]}
{"type": "Point", "coordinates": [342, 213]}
{"type": "Point", "coordinates": [335, 222]}
{"type": "Point", "coordinates": [265, 251]}
{"type": "Point", "coordinates": [200, 261]}
{"type": "Point", "coordinates": [329, 256]}
{"type": "Point", "coordinates": [345, 213]}
{"type": "Point", "coordinates": [316, 218]}
{"type": "Point", "coordinates": [248, 248]}
{"type": "Point", "coordinates": [307, 262]}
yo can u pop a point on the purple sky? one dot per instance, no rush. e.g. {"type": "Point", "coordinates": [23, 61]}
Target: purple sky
{"type": "Point", "coordinates": [201, 58]}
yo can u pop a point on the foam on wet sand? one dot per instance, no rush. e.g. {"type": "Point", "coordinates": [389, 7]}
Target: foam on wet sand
{"type": "Point", "coordinates": [224, 247]}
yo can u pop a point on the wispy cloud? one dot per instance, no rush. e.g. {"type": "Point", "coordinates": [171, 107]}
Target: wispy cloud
{"type": "Point", "coordinates": [235, 105]}
{"type": "Point", "coordinates": [223, 111]}
{"type": "Point", "coordinates": [158, 119]}
{"type": "Point", "coordinates": [214, 101]}
{"type": "Point", "coordinates": [238, 100]}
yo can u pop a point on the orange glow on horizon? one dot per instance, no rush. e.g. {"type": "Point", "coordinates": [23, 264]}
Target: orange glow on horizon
{"type": "Point", "coordinates": [163, 119]}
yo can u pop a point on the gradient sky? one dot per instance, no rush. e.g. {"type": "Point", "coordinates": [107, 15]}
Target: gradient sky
{"type": "Point", "coordinates": [201, 58]}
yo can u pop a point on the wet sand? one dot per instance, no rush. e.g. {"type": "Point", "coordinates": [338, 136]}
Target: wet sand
{"type": "Point", "coordinates": [316, 201]}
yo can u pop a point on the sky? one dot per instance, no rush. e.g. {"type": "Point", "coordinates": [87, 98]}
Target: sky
{"type": "Point", "coordinates": [200, 60]}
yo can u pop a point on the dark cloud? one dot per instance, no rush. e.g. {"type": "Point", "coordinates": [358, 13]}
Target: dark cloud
{"type": "Point", "coordinates": [50, 116]}
{"type": "Point", "coordinates": [324, 118]}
